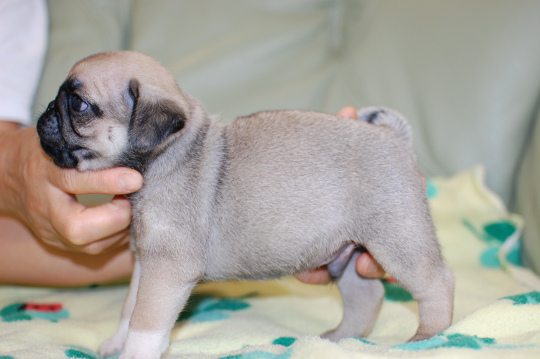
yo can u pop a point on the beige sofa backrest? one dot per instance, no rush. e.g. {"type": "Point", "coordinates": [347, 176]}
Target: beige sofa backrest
{"type": "Point", "coordinates": [465, 72]}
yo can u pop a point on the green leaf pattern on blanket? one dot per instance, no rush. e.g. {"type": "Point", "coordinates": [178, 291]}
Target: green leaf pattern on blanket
{"type": "Point", "coordinates": [204, 308]}
{"type": "Point", "coordinates": [454, 341]}
{"type": "Point", "coordinates": [259, 354]}
{"type": "Point", "coordinates": [285, 341]}
{"type": "Point", "coordinates": [431, 189]}
{"type": "Point", "coordinates": [28, 311]}
{"type": "Point", "coordinates": [395, 293]}
{"type": "Point", "coordinates": [81, 353]}
{"type": "Point", "coordinates": [526, 298]}
{"type": "Point", "coordinates": [495, 234]}
{"type": "Point", "coordinates": [446, 341]}
{"type": "Point", "coordinates": [6, 357]}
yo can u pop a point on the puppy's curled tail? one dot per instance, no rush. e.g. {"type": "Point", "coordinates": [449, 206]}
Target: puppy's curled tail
{"type": "Point", "coordinates": [381, 116]}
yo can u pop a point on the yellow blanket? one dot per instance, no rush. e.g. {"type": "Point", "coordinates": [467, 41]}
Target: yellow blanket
{"type": "Point", "coordinates": [497, 312]}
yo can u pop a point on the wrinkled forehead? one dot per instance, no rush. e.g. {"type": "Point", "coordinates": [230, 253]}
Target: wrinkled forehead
{"type": "Point", "coordinates": [107, 74]}
{"type": "Point", "coordinates": [98, 82]}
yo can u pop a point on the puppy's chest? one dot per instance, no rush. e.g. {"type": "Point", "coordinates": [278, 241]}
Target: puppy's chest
{"type": "Point", "coordinates": [170, 209]}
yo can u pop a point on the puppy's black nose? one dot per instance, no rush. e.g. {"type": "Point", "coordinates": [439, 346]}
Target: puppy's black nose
{"type": "Point", "coordinates": [50, 124]}
{"type": "Point", "coordinates": [48, 129]}
{"type": "Point", "coordinates": [50, 106]}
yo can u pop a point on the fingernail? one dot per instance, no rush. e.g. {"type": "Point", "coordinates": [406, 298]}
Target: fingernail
{"type": "Point", "coordinates": [112, 206]}
{"type": "Point", "coordinates": [128, 182]}
{"type": "Point", "coordinates": [370, 268]}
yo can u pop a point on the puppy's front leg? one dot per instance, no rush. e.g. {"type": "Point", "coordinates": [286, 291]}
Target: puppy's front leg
{"type": "Point", "coordinates": [163, 291]}
{"type": "Point", "coordinates": [114, 345]}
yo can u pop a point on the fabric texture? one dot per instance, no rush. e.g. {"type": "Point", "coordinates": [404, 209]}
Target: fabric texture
{"type": "Point", "coordinates": [23, 42]}
{"type": "Point", "coordinates": [497, 308]}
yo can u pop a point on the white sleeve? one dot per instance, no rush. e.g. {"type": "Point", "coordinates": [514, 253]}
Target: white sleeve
{"type": "Point", "coordinates": [23, 42]}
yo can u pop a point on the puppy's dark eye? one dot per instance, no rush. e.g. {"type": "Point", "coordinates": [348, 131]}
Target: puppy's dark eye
{"type": "Point", "coordinates": [77, 104]}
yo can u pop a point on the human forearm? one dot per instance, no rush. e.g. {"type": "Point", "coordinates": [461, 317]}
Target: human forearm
{"type": "Point", "coordinates": [26, 260]}
{"type": "Point", "coordinates": [7, 125]}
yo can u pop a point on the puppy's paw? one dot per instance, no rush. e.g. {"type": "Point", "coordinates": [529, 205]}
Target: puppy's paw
{"type": "Point", "coordinates": [332, 335]}
{"type": "Point", "coordinates": [419, 336]}
{"type": "Point", "coordinates": [111, 347]}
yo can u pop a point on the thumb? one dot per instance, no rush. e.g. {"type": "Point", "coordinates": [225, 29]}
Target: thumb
{"type": "Point", "coordinates": [117, 180]}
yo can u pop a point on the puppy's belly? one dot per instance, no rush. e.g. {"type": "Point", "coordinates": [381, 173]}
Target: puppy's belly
{"type": "Point", "coordinates": [271, 259]}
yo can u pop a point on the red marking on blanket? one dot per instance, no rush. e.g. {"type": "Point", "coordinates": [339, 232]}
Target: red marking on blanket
{"type": "Point", "coordinates": [48, 308]}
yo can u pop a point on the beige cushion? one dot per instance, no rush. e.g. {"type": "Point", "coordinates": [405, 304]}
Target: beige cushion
{"type": "Point", "coordinates": [528, 200]}
{"type": "Point", "coordinates": [78, 29]}
{"type": "Point", "coordinates": [465, 72]}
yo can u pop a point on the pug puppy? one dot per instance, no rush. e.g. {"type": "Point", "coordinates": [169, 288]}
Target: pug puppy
{"type": "Point", "coordinates": [272, 194]}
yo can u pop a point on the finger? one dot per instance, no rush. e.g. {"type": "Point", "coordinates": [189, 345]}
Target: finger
{"type": "Point", "coordinates": [81, 226]}
{"type": "Point", "coordinates": [348, 111]}
{"type": "Point", "coordinates": [107, 244]}
{"type": "Point", "coordinates": [368, 267]}
{"type": "Point", "coordinates": [315, 276]}
{"type": "Point", "coordinates": [117, 180]}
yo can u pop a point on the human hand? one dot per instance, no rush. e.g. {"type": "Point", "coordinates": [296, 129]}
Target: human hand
{"type": "Point", "coordinates": [366, 266]}
{"type": "Point", "coordinates": [42, 196]}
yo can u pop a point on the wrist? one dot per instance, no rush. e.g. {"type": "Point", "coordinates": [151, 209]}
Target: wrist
{"type": "Point", "coordinates": [8, 126]}
{"type": "Point", "coordinates": [7, 153]}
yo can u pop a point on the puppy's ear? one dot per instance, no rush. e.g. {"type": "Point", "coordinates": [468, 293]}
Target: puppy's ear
{"type": "Point", "coordinates": [152, 120]}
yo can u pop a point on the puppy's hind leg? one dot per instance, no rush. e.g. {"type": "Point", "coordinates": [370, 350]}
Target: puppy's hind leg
{"type": "Point", "coordinates": [362, 299]}
{"type": "Point", "coordinates": [410, 253]}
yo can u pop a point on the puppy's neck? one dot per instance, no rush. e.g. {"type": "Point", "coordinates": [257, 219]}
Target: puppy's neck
{"type": "Point", "coordinates": [198, 154]}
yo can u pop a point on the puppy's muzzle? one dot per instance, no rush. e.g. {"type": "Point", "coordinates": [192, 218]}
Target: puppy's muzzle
{"type": "Point", "coordinates": [52, 141]}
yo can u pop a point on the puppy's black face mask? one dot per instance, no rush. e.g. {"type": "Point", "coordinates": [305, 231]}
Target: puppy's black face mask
{"type": "Point", "coordinates": [56, 128]}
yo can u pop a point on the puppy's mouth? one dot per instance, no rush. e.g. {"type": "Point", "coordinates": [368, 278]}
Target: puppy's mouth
{"type": "Point", "coordinates": [52, 141]}
{"type": "Point", "coordinates": [61, 157]}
